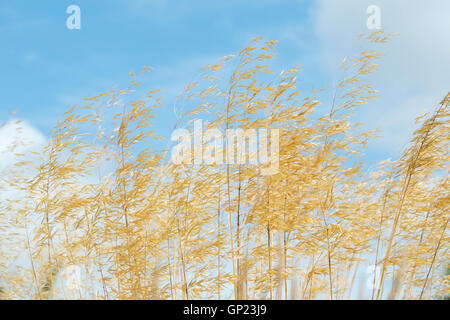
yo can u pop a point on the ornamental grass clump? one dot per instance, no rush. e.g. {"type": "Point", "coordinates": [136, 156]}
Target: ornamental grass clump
{"type": "Point", "coordinates": [105, 214]}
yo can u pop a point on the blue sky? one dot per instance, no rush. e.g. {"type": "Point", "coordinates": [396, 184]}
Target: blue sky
{"type": "Point", "coordinates": [46, 67]}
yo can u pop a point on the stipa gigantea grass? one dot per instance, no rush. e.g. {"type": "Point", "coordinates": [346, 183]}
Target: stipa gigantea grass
{"type": "Point", "coordinates": [141, 227]}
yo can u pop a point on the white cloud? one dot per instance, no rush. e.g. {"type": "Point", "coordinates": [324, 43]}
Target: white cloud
{"type": "Point", "coordinates": [413, 75]}
{"type": "Point", "coordinates": [18, 137]}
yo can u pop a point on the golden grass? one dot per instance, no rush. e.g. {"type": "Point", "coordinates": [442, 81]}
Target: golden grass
{"type": "Point", "coordinates": [141, 227]}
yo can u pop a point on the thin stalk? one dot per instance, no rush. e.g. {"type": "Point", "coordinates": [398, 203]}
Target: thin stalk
{"type": "Point", "coordinates": [434, 258]}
